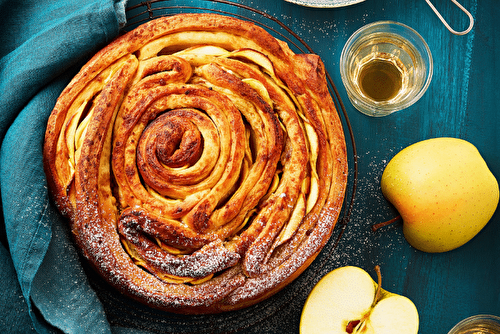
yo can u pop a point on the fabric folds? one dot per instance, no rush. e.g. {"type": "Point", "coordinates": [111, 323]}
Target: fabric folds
{"type": "Point", "coordinates": [42, 45]}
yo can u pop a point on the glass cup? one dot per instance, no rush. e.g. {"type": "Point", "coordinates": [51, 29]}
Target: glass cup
{"type": "Point", "coordinates": [385, 67]}
{"type": "Point", "coordinates": [478, 324]}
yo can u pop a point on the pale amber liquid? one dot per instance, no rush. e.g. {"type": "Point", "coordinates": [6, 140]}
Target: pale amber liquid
{"type": "Point", "coordinates": [380, 79]}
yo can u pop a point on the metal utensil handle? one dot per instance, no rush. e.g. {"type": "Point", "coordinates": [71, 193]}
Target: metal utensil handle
{"type": "Point", "coordinates": [446, 23]}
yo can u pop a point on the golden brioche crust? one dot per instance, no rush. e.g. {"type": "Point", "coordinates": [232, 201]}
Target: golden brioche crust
{"type": "Point", "coordinates": [201, 163]}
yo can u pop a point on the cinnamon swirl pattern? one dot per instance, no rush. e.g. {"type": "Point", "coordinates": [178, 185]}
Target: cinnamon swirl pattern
{"type": "Point", "coordinates": [201, 163]}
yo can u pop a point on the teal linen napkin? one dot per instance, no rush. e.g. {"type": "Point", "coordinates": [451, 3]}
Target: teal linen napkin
{"type": "Point", "coordinates": [42, 45]}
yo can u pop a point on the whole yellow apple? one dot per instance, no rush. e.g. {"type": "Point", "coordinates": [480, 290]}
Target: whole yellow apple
{"type": "Point", "coordinates": [443, 190]}
{"type": "Point", "coordinates": [348, 300]}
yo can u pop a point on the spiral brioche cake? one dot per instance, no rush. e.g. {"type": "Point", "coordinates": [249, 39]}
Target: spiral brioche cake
{"type": "Point", "coordinates": [200, 162]}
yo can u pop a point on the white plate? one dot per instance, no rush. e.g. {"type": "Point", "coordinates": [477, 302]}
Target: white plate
{"type": "Point", "coordinates": [325, 3]}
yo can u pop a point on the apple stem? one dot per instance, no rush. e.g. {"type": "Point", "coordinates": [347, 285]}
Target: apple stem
{"type": "Point", "coordinates": [358, 326]}
{"type": "Point", "coordinates": [375, 227]}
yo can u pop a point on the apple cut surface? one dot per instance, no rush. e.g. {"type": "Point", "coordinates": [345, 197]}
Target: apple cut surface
{"type": "Point", "coordinates": [343, 295]}
{"type": "Point", "coordinates": [394, 314]}
{"type": "Point", "coordinates": [347, 300]}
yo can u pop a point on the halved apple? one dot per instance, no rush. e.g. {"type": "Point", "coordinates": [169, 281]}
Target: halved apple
{"type": "Point", "coordinates": [347, 300]}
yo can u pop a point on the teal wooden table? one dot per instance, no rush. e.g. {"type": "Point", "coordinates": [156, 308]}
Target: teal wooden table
{"type": "Point", "coordinates": [463, 101]}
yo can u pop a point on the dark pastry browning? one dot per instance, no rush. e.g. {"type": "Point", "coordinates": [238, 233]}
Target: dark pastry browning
{"type": "Point", "coordinates": [201, 163]}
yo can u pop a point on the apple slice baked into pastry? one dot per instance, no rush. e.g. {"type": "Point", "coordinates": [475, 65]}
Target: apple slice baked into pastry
{"type": "Point", "coordinates": [200, 162]}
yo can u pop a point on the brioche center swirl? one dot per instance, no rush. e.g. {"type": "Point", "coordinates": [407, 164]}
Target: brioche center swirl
{"type": "Point", "coordinates": [195, 150]}
{"type": "Point", "coordinates": [193, 165]}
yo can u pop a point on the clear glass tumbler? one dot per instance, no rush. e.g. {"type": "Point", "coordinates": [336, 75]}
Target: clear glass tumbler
{"type": "Point", "coordinates": [385, 66]}
{"type": "Point", "coordinates": [478, 324]}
